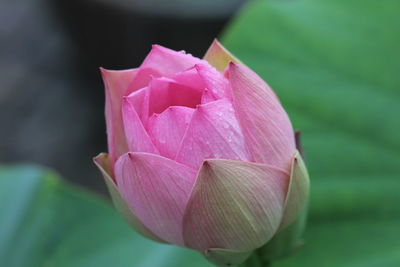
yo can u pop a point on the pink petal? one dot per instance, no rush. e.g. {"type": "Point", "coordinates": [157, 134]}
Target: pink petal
{"type": "Point", "coordinates": [140, 102]}
{"type": "Point", "coordinates": [163, 62]}
{"type": "Point", "coordinates": [136, 135]}
{"type": "Point", "coordinates": [166, 92]}
{"type": "Point", "coordinates": [117, 86]}
{"type": "Point", "coordinates": [266, 126]}
{"type": "Point", "coordinates": [206, 79]}
{"type": "Point", "coordinates": [217, 85]}
{"type": "Point", "coordinates": [157, 190]}
{"type": "Point", "coordinates": [234, 205]}
{"type": "Point", "coordinates": [103, 163]}
{"type": "Point", "coordinates": [218, 56]}
{"type": "Point", "coordinates": [190, 78]}
{"type": "Point", "coordinates": [143, 77]}
{"type": "Point", "coordinates": [168, 62]}
{"type": "Point", "coordinates": [213, 132]}
{"type": "Point", "coordinates": [167, 129]}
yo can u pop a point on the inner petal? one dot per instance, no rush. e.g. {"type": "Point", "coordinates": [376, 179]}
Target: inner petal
{"type": "Point", "coordinates": [217, 86]}
{"type": "Point", "coordinates": [167, 129]}
{"type": "Point", "coordinates": [162, 62]}
{"type": "Point", "coordinates": [140, 103]}
{"type": "Point", "coordinates": [190, 77]}
{"type": "Point", "coordinates": [213, 84]}
{"type": "Point", "coordinates": [165, 92]}
{"type": "Point", "coordinates": [213, 132]}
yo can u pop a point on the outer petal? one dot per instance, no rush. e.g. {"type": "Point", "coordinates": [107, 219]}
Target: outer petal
{"type": "Point", "coordinates": [289, 236]}
{"type": "Point", "coordinates": [116, 84]}
{"type": "Point", "coordinates": [212, 133]}
{"type": "Point", "coordinates": [266, 126]}
{"type": "Point", "coordinates": [218, 56]}
{"type": "Point", "coordinates": [167, 129]}
{"type": "Point", "coordinates": [298, 191]}
{"type": "Point", "coordinates": [234, 205]}
{"type": "Point", "coordinates": [137, 137]}
{"type": "Point", "coordinates": [102, 162]}
{"type": "Point", "coordinates": [157, 190]}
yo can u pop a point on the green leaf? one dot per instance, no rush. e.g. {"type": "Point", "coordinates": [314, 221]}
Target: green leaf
{"type": "Point", "coordinates": [335, 65]}
{"type": "Point", "coordinates": [46, 222]}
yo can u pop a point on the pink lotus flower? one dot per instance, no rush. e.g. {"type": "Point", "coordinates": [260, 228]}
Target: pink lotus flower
{"type": "Point", "coordinates": [201, 153]}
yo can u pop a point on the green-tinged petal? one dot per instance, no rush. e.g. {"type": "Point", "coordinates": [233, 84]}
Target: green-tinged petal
{"type": "Point", "coordinates": [298, 191]}
{"type": "Point", "coordinates": [218, 56]}
{"type": "Point", "coordinates": [226, 257]}
{"type": "Point", "coordinates": [234, 205]}
{"type": "Point", "coordinates": [103, 164]}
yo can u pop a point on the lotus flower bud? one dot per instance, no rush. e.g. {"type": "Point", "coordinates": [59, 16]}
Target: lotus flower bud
{"type": "Point", "coordinates": [201, 154]}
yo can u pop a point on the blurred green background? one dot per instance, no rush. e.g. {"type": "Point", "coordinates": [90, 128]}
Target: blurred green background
{"type": "Point", "coordinates": [335, 65]}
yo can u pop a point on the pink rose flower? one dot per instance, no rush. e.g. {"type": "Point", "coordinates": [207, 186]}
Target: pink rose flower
{"type": "Point", "coordinates": [201, 153]}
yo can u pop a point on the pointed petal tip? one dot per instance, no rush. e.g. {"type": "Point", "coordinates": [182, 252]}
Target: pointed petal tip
{"type": "Point", "coordinates": [234, 66]}
{"type": "Point", "coordinates": [232, 223]}
{"type": "Point", "coordinates": [160, 48]}
{"type": "Point", "coordinates": [137, 156]}
{"type": "Point", "coordinates": [298, 191]}
{"type": "Point", "coordinates": [215, 41]}
{"type": "Point", "coordinates": [103, 164]}
{"type": "Point", "coordinates": [197, 67]}
{"type": "Point", "coordinates": [211, 163]}
{"type": "Point", "coordinates": [157, 47]}
{"type": "Point", "coordinates": [100, 157]}
{"type": "Point", "coordinates": [206, 165]}
{"type": "Point", "coordinates": [295, 155]}
{"type": "Point", "coordinates": [218, 56]}
{"type": "Point", "coordinates": [217, 45]}
{"type": "Point", "coordinates": [103, 72]}
{"type": "Point", "coordinates": [125, 100]}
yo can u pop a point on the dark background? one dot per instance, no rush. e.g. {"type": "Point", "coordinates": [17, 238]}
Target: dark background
{"type": "Point", "coordinates": [51, 93]}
